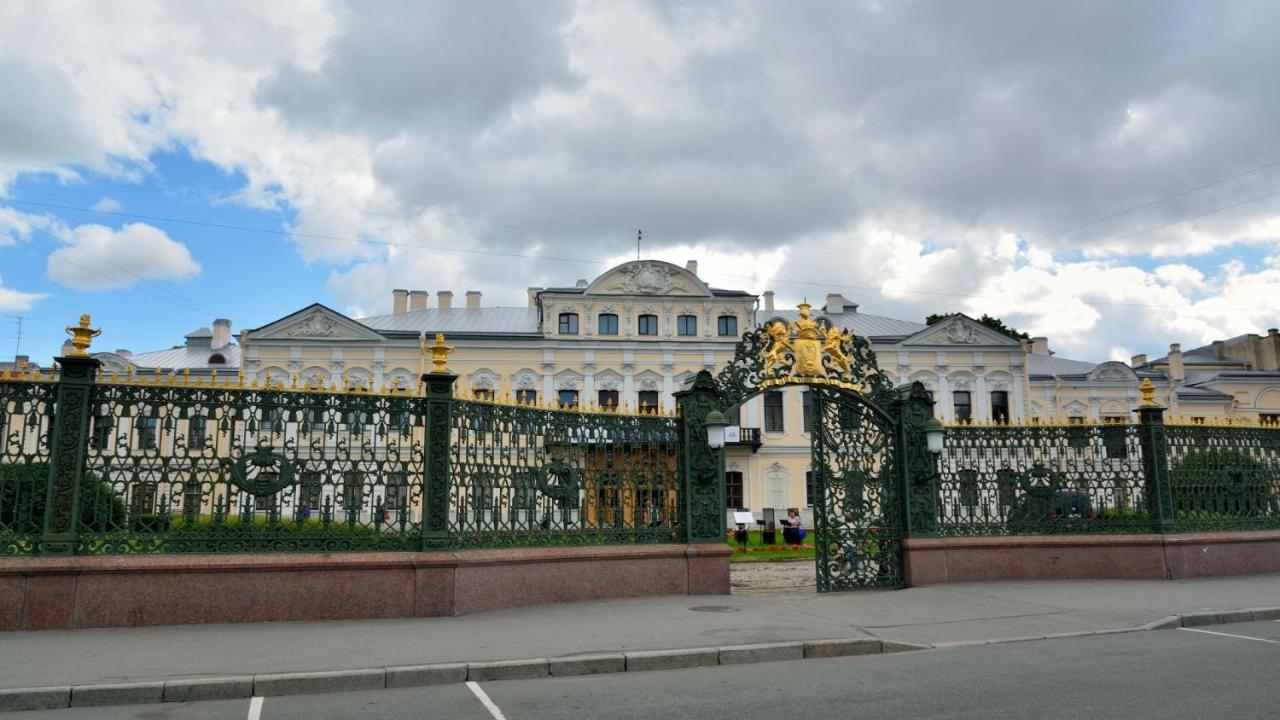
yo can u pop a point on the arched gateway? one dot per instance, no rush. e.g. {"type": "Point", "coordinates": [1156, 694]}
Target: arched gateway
{"type": "Point", "coordinates": [868, 439]}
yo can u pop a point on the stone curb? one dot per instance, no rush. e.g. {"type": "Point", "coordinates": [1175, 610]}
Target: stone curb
{"type": "Point", "coordinates": [301, 683]}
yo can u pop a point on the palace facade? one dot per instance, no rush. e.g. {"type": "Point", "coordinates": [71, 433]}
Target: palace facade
{"type": "Point", "coordinates": [633, 336]}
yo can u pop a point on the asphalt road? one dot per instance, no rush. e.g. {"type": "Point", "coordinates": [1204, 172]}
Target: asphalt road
{"type": "Point", "coordinates": [1222, 671]}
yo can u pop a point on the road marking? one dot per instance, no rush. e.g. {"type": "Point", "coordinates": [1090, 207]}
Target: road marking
{"type": "Point", "coordinates": [483, 697]}
{"type": "Point", "coordinates": [255, 708]}
{"type": "Point", "coordinates": [1242, 637]}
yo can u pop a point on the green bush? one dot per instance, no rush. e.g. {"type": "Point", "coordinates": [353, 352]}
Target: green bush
{"type": "Point", "coordinates": [23, 489]}
{"type": "Point", "coordinates": [1223, 483]}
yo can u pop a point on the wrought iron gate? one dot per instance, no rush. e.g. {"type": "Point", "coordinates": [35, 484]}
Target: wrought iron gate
{"type": "Point", "coordinates": [857, 533]}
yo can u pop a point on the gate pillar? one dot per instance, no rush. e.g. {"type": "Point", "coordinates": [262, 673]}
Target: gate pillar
{"type": "Point", "coordinates": [701, 468]}
{"type": "Point", "coordinates": [919, 500]}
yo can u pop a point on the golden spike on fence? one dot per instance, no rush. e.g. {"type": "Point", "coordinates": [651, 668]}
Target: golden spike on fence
{"type": "Point", "coordinates": [186, 376]}
{"type": "Point", "coordinates": [213, 378]}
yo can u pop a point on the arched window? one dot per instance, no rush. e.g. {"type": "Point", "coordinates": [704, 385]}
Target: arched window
{"type": "Point", "coordinates": [648, 324]}
{"type": "Point", "coordinates": [568, 323]}
{"type": "Point", "coordinates": [217, 359]}
{"type": "Point", "coordinates": [727, 325]}
{"type": "Point", "coordinates": [608, 324]}
{"type": "Point", "coordinates": [687, 325]}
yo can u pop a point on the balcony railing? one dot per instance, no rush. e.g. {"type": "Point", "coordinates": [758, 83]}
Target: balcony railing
{"type": "Point", "coordinates": [735, 435]}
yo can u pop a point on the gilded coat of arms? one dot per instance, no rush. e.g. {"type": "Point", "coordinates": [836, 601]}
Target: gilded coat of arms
{"type": "Point", "coordinates": [798, 349]}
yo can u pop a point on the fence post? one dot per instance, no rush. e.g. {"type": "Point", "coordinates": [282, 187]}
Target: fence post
{"type": "Point", "coordinates": [701, 468]}
{"type": "Point", "coordinates": [1155, 461]}
{"type": "Point", "coordinates": [918, 496]}
{"type": "Point", "coordinates": [437, 476]}
{"type": "Point", "coordinates": [69, 439]}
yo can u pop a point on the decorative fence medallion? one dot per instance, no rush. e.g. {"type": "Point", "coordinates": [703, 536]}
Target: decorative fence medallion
{"type": "Point", "coordinates": [274, 472]}
{"type": "Point", "coordinates": [559, 480]}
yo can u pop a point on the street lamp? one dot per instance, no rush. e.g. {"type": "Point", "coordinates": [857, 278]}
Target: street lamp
{"type": "Point", "coordinates": [715, 423]}
{"type": "Point", "coordinates": [934, 433]}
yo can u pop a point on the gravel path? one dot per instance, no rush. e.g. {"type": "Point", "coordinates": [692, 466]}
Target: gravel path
{"type": "Point", "coordinates": [794, 576]}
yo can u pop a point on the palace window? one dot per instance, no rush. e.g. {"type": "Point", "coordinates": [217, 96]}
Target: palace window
{"type": "Point", "coordinates": [568, 323]}
{"type": "Point", "coordinates": [147, 427]}
{"type": "Point", "coordinates": [397, 491]}
{"type": "Point", "coordinates": [1000, 406]}
{"type": "Point", "coordinates": [773, 411]}
{"type": "Point", "coordinates": [101, 427]}
{"type": "Point", "coordinates": [527, 397]}
{"type": "Point", "coordinates": [810, 488]}
{"type": "Point", "coordinates": [727, 325]}
{"type": "Point", "coordinates": [608, 324]}
{"type": "Point", "coordinates": [197, 429]}
{"type": "Point", "coordinates": [1075, 420]}
{"type": "Point", "coordinates": [648, 324]}
{"type": "Point", "coordinates": [608, 399]}
{"type": "Point", "coordinates": [648, 401]}
{"type": "Point", "coordinates": [960, 399]}
{"type": "Point", "coordinates": [143, 500]}
{"type": "Point", "coordinates": [483, 394]}
{"type": "Point", "coordinates": [733, 499]}
{"type": "Point", "coordinates": [352, 492]}
{"type": "Point", "coordinates": [568, 398]}
{"type": "Point", "coordinates": [687, 325]}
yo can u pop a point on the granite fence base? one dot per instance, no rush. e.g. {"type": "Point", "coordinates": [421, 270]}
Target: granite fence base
{"type": "Point", "coordinates": [1068, 557]}
{"type": "Point", "coordinates": [40, 593]}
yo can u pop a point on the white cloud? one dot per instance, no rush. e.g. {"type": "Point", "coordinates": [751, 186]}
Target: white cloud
{"type": "Point", "coordinates": [107, 204]}
{"type": "Point", "coordinates": [100, 258]}
{"type": "Point", "coordinates": [15, 300]}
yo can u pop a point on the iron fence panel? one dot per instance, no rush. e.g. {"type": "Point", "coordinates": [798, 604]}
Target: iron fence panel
{"type": "Point", "coordinates": [1041, 479]}
{"type": "Point", "coordinates": [26, 424]}
{"type": "Point", "coordinates": [179, 469]}
{"type": "Point", "coordinates": [1224, 477]}
{"type": "Point", "coordinates": [527, 476]}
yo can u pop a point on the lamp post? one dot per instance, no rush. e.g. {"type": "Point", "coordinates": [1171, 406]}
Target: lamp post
{"type": "Point", "coordinates": [934, 434]}
{"type": "Point", "coordinates": [715, 423]}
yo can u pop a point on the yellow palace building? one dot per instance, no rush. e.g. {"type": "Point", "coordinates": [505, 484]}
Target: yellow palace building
{"type": "Point", "coordinates": [633, 336]}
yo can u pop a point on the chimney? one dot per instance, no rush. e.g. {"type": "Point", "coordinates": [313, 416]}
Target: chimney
{"type": "Point", "coordinates": [1040, 346]}
{"type": "Point", "coordinates": [418, 299]}
{"type": "Point", "coordinates": [768, 301]}
{"type": "Point", "coordinates": [1138, 360]}
{"type": "Point", "coordinates": [533, 297]}
{"type": "Point", "coordinates": [444, 299]}
{"type": "Point", "coordinates": [835, 304]}
{"type": "Point", "coordinates": [399, 301]}
{"type": "Point", "coordinates": [1218, 347]}
{"type": "Point", "coordinates": [1175, 363]}
{"type": "Point", "coordinates": [473, 299]}
{"type": "Point", "coordinates": [581, 283]}
{"type": "Point", "coordinates": [691, 266]}
{"type": "Point", "coordinates": [221, 334]}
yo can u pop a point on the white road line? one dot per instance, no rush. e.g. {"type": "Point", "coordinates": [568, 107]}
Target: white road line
{"type": "Point", "coordinates": [484, 698]}
{"type": "Point", "coordinates": [1242, 637]}
{"type": "Point", "coordinates": [255, 708]}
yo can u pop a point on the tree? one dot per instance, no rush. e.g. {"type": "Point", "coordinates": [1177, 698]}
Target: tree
{"type": "Point", "coordinates": [994, 323]}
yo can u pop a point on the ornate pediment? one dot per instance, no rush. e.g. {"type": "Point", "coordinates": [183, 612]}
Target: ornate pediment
{"type": "Point", "coordinates": [648, 277]}
{"type": "Point", "coordinates": [316, 322]}
{"type": "Point", "coordinates": [1114, 371]}
{"type": "Point", "coordinates": [960, 330]}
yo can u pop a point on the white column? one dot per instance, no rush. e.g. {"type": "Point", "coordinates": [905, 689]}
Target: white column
{"type": "Point", "coordinates": [548, 384]}
{"type": "Point", "coordinates": [629, 385]}
{"type": "Point", "coordinates": [944, 405]}
{"type": "Point", "coordinates": [668, 386]}
{"type": "Point", "coordinates": [1019, 410]}
{"type": "Point", "coordinates": [588, 385]}
{"type": "Point", "coordinates": [982, 403]}
{"type": "Point", "coordinates": [335, 368]}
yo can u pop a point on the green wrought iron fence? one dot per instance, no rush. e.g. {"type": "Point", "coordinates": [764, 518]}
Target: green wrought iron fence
{"type": "Point", "coordinates": [1223, 477]}
{"type": "Point", "coordinates": [1040, 479]}
{"type": "Point", "coordinates": [179, 468]}
{"type": "Point", "coordinates": [527, 476]}
{"type": "Point", "coordinates": [26, 424]}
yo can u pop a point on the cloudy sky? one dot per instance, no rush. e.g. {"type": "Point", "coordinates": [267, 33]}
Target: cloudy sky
{"type": "Point", "coordinates": [1107, 174]}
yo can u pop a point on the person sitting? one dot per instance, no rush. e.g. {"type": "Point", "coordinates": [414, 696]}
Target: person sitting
{"type": "Point", "coordinates": [793, 528]}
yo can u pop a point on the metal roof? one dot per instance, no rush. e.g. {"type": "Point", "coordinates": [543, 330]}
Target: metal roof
{"type": "Point", "coordinates": [181, 358]}
{"type": "Point", "coordinates": [1050, 365]}
{"type": "Point", "coordinates": [859, 323]}
{"type": "Point", "coordinates": [459, 321]}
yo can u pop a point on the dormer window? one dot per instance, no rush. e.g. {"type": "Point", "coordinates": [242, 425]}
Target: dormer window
{"type": "Point", "coordinates": [568, 323]}
{"type": "Point", "coordinates": [217, 359]}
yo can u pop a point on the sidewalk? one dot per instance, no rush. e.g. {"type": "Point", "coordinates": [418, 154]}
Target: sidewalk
{"type": "Point", "coordinates": [930, 615]}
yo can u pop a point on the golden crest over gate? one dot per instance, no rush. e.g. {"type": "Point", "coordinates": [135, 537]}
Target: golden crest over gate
{"type": "Point", "coordinates": [805, 351]}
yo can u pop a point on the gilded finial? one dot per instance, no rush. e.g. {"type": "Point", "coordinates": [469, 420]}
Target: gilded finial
{"type": "Point", "coordinates": [82, 336]}
{"type": "Point", "coordinates": [440, 354]}
{"type": "Point", "coordinates": [1148, 391]}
